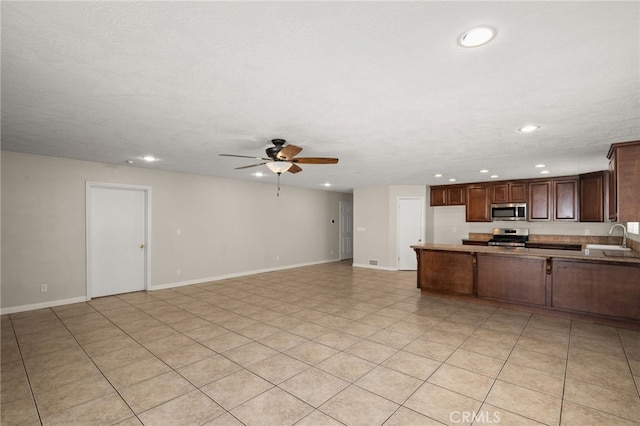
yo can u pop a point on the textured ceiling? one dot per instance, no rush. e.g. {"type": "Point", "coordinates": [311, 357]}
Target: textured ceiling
{"type": "Point", "coordinates": [382, 85]}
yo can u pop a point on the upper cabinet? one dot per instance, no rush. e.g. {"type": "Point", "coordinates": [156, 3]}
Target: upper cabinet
{"type": "Point", "coordinates": [624, 182]}
{"type": "Point", "coordinates": [590, 197]}
{"type": "Point", "coordinates": [594, 196]}
{"type": "Point", "coordinates": [448, 195]}
{"type": "Point", "coordinates": [478, 203]}
{"type": "Point", "coordinates": [509, 192]}
{"type": "Point", "coordinates": [554, 199]}
{"type": "Point", "coordinates": [540, 200]}
{"type": "Point", "coordinates": [565, 199]}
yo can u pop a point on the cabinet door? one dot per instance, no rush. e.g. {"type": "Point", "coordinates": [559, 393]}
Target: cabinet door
{"type": "Point", "coordinates": [565, 203]}
{"type": "Point", "coordinates": [455, 196]}
{"type": "Point", "coordinates": [627, 165]}
{"type": "Point", "coordinates": [597, 288]}
{"type": "Point", "coordinates": [513, 278]}
{"type": "Point", "coordinates": [478, 205]}
{"type": "Point", "coordinates": [500, 193]}
{"type": "Point", "coordinates": [613, 190]}
{"type": "Point", "coordinates": [450, 272]}
{"type": "Point", "coordinates": [438, 196]}
{"type": "Point", "coordinates": [518, 192]}
{"type": "Point", "coordinates": [540, 200]}
{"type": "Point", "coordinates": [594, 192]}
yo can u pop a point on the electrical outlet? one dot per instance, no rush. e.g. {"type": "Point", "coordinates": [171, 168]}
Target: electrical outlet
{"type": "Point", "coordinates": [178, 271]}
{"type": "Point", "coordinates": [277, 258]}
{"type": "Point", "coordinates": [43, 288]}
{"type": "Point", "coordinates": [587, 232]}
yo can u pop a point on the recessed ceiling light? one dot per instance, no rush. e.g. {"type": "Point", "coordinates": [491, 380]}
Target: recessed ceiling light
{"type": "Point", "coordinates": [438, 175]}
{"type": "Point", "coordinates": [476, 36]}
{"type": "Point", "coordinates": [258, 174]}
{"type": "Point", "coordinates": [452, 180]}
{"type": "Point", "coordinates": [484, 171]}
{"type": "Point", "coordinates": [129, 161]}
{"type": "Point", "coordinates": [544, 172]}
{"type": "Point", "coordinates": [540, 166]}
{"type": "Point", "coordinates": [494, 176]}
{"type": "Point", "coordinates": [149, 158]}
{"type": "Point", "coordinates": [327, 184]}
{"type": "Point", "coordinates": [529, 128]}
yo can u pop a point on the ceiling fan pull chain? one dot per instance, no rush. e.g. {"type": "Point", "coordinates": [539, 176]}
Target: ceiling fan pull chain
{"type": "Point", "coordinates": [278, 192]}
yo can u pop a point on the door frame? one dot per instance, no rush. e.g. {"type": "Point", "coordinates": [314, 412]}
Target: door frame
{"type": "Point", "coordinates": [422, 227]}
{"type": "Point", "coordinates": [90, 185]}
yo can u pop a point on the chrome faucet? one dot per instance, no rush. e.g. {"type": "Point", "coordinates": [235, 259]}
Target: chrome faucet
{"type": "Point", "coordinates": [624, 233]}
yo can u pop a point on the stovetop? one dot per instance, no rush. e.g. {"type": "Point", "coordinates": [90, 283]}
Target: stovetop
{"type": "Point", "coordinates": [511, 237]}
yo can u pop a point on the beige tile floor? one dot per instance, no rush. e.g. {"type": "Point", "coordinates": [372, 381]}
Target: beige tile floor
{"type": "Point", "coordinates": [319, 345]}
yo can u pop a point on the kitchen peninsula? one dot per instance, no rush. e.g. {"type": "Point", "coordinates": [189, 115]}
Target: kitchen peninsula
{"type": "Point", "coordinates": [590, 281]}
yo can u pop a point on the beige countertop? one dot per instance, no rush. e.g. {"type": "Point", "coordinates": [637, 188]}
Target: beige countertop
{"type": "Point", "coordinates": [590, 254]}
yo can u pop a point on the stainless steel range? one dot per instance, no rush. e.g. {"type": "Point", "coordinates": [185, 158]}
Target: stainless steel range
{"type": "Point", "coordinates": [509, 237]}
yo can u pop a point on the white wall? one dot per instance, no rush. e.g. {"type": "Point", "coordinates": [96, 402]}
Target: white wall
{"type": "Point", "coordinates": [228, 227]}
{"type": "Point", "coordinates": [374, 223]}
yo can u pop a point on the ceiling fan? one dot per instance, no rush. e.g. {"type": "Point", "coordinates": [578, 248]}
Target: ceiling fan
{"type": "Point", "coordinates": [281, 158]}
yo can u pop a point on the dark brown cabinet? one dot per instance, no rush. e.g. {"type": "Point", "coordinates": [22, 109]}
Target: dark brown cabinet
{"type": "Point", "coordinates": [517, 279]}
{"type": "Point", "coordinates": [594, 196]}
{"type": "Point", "coordinates": [624, 175]}
{"type": "Point", "coordinates": [599, 288]}
{"type": "Point", "coordinates": [448, 195]}
{"type": "Point", "coordinates": [565, 199]}
{"type": "Point", "coordinates": [478, 203]}
{"type": "Point", "coordinates": [554, 199]}
{"type": "Point", "coordinates": [451, 272]}
{"type": "Point", "coordinates": [509, 192]}
{"type": "Point", "coordinates": [590, 286]}
{"type": "Point", "coordinates": [540, 200]}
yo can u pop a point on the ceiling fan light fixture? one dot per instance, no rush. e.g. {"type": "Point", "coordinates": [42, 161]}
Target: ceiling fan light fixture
{"type": "Point", "coordinates": [279, 166]}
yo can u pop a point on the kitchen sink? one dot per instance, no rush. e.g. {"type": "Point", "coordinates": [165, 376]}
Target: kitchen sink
{"type": "Point", "coordinates": [607, 247]}
{"type": "Point", "coordinates": [620, 253]}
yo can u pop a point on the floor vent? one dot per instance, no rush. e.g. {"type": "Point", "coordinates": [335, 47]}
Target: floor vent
{"type": "Point", "coordinates": [373, 262]}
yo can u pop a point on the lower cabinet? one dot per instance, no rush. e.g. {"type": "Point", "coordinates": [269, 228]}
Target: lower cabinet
{"type": "Point", "coordinates": [447, 271]}
{"type": "Point", "coordinates": [600, 288]}
{"type": "Point", "coordinates": [516, 279]}
{"type": "Point", "coordinates": [580, 286]}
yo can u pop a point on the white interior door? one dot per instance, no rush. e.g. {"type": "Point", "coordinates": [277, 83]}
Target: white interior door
{"type": "Point", "coordinates": [116, 239]}
{"type": "Point", "coordinates": [410, 231]}
{"type": "Point", "coordinates": [346, 230]}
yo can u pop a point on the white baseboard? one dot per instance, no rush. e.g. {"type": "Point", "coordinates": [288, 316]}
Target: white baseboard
{"type": "Point", "coordinates": [50, 304]}
{"type": "Point", "coordinates": [380, 268]}
{"type": "Point", "coordinates": [42, 305]}
{"type": "Point", "coordinates": [236, 275]}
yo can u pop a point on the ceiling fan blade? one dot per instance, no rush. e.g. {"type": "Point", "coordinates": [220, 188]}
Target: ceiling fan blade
{"type": "Point", "coordinates": [288, 152]}
{"type": "Point", "coordinates": [294, 168]}
{"type": "Point", "coordinates": [315, 160]}
{"type": "Point", "coordinates": [244, 156]}
{"type": "Point", "coordinates": [252, 165]}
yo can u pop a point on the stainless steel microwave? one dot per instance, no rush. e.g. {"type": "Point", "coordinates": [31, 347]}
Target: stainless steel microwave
{"type": "Point", "coordinates": [509, 211]}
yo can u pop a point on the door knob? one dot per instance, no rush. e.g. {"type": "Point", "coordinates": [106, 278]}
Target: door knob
{"type": "Point", "coordinates": [141, 245]}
